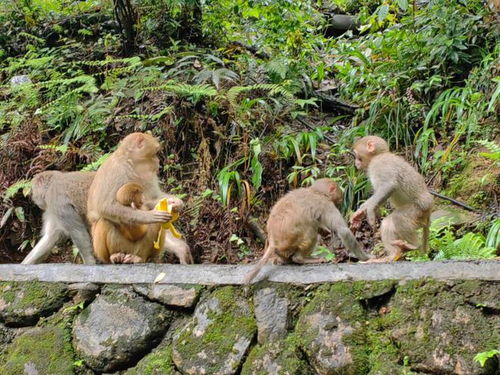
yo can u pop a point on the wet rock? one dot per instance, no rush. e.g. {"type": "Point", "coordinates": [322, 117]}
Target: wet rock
{"type": "Point", "coordinates": [117, 328]}
{"type": "Point", "coordinates": [173, 295]}
{"type": "Point", "coordinates": [83, 292]}
{"type": "Point", "coordinates": [39, 351]}
{"type": "Point", "coordinates": [23, 303]}
{"type": "Point", "coordinates": [438, 330]}
{"type": "Point", "coordinates": [271, 313]}
{"type": "Point", "coordinates": [280, 358]}
{"type": "Point", "coordinates": [448, 215]}
{"type": "Point", "coordinates": [330, 330]}
{"type": "Point", "coordinates": [218, 335]}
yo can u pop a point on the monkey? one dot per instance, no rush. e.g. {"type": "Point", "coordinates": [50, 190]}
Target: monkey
{"type": "Point", "coordinates": [63, 197]}
{"type": "Point", "coordinates": [298, 218]}
{"type": "Point", "coordinates": [134, 161]}
{"type": "Point", "coordinates": [393, 179]}
{"type": "Point", "coordinates": [125, 243]}
{"type": "Point", "coordinates": [132, 195]}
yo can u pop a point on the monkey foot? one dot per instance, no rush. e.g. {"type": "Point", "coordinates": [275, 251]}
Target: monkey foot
{"type": "Point", "coordinates": [125, 258]}
{"type": "Point", "coordinates": [403, 245]}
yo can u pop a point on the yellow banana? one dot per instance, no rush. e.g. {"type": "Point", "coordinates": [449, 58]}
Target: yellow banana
{"type": "Point", "coordinates": [163, 206]}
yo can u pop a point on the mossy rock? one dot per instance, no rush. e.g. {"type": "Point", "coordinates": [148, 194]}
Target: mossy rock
{"type": "Point", "coordinates": [117, 328]}
{"type": "Point", "coordinates": [436, 328]}
{"type": "Point", "coordinates": [23, 303]}
{"type": "Point", "coordinates": [41, 350]}
{"type": "Point", "coordinates": [279, 358]}
{"type": "Point", "coordinates": [216, 338]}
{"type": "Point", "coordinates": [159, 362]}
{"type": "Point", "coordinates": [330, 330]}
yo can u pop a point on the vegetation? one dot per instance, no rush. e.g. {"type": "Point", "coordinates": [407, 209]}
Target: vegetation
{"type": "Point", "coordinates": [252, 98]}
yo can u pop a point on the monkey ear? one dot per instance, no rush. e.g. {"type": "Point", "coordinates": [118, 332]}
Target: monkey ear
{"type": "Point", "coordinates": [140, 140]}
{"type": "Point", "coordinates": [332, 188]}
{"type": "Point", "coordinates": [370, 146]}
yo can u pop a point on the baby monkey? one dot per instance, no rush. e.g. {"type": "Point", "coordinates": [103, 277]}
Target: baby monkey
{"type": "Point", "coordinates": [393, 179]}
{"type": "Point", "coordinates": [298, 218]}
{"type": "Point", "coordinates": [132, 195]}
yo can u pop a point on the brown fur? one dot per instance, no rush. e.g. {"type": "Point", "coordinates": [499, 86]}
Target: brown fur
{"type": "Point", "coordinates": [296, 220]}
{"type": "Point", "coordinates": [134, 161]}
{"type": "Point", "coordinates": [395, 180]}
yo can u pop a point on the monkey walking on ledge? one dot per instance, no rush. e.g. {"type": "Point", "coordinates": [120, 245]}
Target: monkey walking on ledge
{"type": "Point", "coordinates": [296, 220]}
{"type": "Point", "coordinates": [393, 179]}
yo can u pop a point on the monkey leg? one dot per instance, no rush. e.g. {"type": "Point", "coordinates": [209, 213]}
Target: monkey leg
{"type": "Point", "coordinates": [301, 259]}
{"type": "Point", "coordinates": [123, 258]}
{"type": "Point", "coordinates": [399, 233]}
{"type": "Point", "coordinates": [179, 247]}
{"type": "Point", "coordinates": [100, 239]}
{"type": "Point", "coordinates": [75, 228]}
{"type": "Point", "coordinates": [51, 235]}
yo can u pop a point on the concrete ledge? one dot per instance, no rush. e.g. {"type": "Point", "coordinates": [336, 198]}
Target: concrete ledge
{"type": "Point", "coordinates": [207, 274]}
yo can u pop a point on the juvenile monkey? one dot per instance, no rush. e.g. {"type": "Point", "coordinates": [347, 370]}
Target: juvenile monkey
{"type": "Point", "coordinates": [132, 195]}
{"type": "Point", "coordinates": [63, 197]}
{"type": "Point", "coordinates": [134, 161]}
{"type": "Point", "coordinates": [395, 180]}
{"type": "Point", "coordinates": [297, 219]}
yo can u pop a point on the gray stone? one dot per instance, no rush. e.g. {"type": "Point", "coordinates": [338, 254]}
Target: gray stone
{"type": "Point", "coordinates": [83, 292]}
{"type": "Point", "coordinates": [215, 274]}
{"type": "Point", "coordinates": [448, 215]}
{"type": "Point", "coordinates": [280, 358]}
{"type": "Point", "coordinates": [330, 331]}
{"type": "Point", "coordinates": [271, 313]}
{"type": "Point", "coordinates": [39, 351]}
{"type": "Point", "coordinates": [22, 304]}
{"type": "Point", "coordinates": [172, 295]}
{"type": "Point", "coordinates": [216, 338]}
{"type": "Point", "coordinates": [20, 80]}
{"type": "Point", "coordinates": [117, 327]}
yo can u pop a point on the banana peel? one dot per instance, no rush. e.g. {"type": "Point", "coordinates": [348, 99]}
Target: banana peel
{"type": "Point", "coordinates": [162, 205]}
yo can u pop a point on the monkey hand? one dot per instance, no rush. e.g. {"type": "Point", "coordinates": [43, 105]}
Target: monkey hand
{"type": "Point", "coordinates": [156, 217]}
{"type": "Point", "coordinates": [357, 217]}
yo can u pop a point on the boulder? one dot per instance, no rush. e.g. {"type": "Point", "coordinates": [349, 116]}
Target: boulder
{"type": "Point", "coordinates": [215, 340]}
{"type": "Point", "coordinates": [280, 358]}
{"type": "Point", "coordinates": [330, 330]}
{"type": "Point", "coordinates": [271, 314]}
{"type": "Point", "coordinates": [23, 303]}
{"type": "Point", "coordinates": [179, 295]}
{"type": "Point", "coordinates": [39, 351]}
{"type": "Point", "coordinates": [117, 328]}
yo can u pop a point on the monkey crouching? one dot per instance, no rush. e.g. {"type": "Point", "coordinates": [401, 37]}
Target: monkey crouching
{"type": "Point", "coordinates": [296, 220]}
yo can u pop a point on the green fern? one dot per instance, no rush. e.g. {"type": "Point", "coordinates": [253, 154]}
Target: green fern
{"type": "Point", "coordinates": [24, 185]}
{"type": "Point", "coordinates": [59, 148]}
{"type": "Point", "coordinates": [155, 117]}
{"type": "Point", "coordinates": [494, 148]}
{"type": "Point", "coordinates": [96, 164]}
{"type": "Point", "coordinates": [196, 92]}
{"type": "Point", "coordinates": [273, 89]}
{"type": "Point", "coordinates": [470, 246]}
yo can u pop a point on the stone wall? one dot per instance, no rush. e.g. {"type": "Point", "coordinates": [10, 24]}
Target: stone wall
{"type": "Point", "coordinates": [416, 325]}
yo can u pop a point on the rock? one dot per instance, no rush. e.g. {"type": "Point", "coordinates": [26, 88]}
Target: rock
{"type": "Point", "coordinates": [448, 215]}
{"type": "Point", "coordinates": [83, 292]}
{"type": "Point", "coordinates": [434, 325]}
{"type": "Point", "coordinates": [172, 295]}
{"type": "Point", "coordinates": [39, 351]}
{"type": "Point", "coordinates": [23, 303]}
{"type": "Point", "coordinates": [276, 358]}
{"type": "Point", "coordinates": [216, 338]}
{"type": "Point", "coordinates": [330, 330]}
{"type": "Point", "coordinates": [19, 80]}
{"type": "Point", "coordinates": [479, 293]}
{"type": "Point", "coordinates": [271, 313]}
{"type": "Point", "coordinates": [117, 327]}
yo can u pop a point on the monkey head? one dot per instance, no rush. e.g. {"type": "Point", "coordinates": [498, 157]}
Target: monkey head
{"type": "Point", "coordinates": [329, 188]}
{"type": "Point", "coordinates": [366, 148]}
{"type": "Point", "coordinates": [131, 194]}
{"type": "Point", "coordinates": [140, 146]}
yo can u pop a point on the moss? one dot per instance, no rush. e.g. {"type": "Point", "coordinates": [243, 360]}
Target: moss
{"type": "Point", "coordinates": [230, 320]}
{"type": "Point", "coordinates": [25, 302]}
{"type": "Point", "coordinates": [45, 349]}
{"type": "Point", "coordinates": [159, 362]}
{"type": "Point", "coordinates": [285, 355]}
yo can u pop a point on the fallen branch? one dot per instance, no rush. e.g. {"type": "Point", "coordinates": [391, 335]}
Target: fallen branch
{"type": "Point", "coordinates": [455, 202]}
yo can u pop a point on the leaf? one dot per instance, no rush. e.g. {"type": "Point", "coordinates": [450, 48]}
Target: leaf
{"type": "Point", "coordinates": [403, 5]}
{"type": "Point", "coordinates": [160, 277]}
{"type": "Point", "coordinates": [382, 13]}
{"type": "Point", "coordinates": [19, 211]}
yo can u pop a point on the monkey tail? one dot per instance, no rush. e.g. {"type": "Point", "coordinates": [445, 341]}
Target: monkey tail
{"type": "Point", "coordinates": [425, 233]}
{"type": "Point", "coordinates": [268, 251]}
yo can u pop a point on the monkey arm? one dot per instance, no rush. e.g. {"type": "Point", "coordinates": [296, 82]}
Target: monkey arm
{"type": "Point", "coordinates": [120, 214]}
{"type": "Point", "coordinates": [382, 192]}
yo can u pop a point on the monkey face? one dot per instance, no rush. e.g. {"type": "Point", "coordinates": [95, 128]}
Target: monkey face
{"type": "Point", "coordinates": [361, 160]}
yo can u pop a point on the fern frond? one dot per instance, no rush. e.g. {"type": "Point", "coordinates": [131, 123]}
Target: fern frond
{"type": "Point", "coordinates": [195, 91]}
{"type": "Point", "coordinates": [24, 185]}
{"type": "Point", "coordinates": [273, 89]}
{"type": "Point", "coordinates": [470, 246]}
